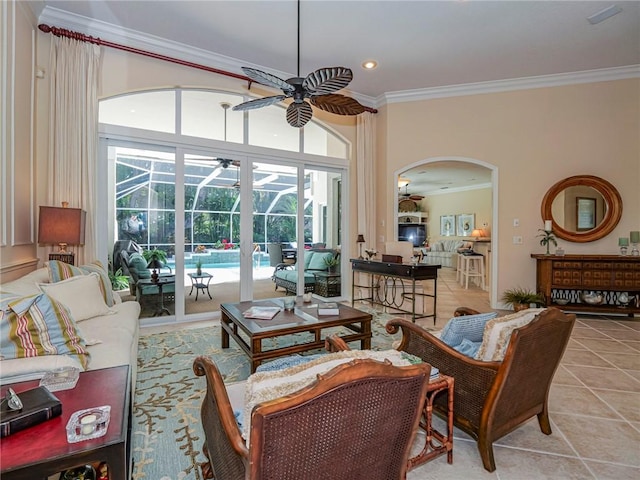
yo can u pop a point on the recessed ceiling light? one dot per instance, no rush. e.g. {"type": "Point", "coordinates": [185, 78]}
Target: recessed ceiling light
{"type": "Point", "coordinates": [369, 64]}
{"type": "Point", "coordinates": [602, 15]}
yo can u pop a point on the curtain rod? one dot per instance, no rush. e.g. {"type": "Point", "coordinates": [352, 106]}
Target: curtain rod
{"type": "Point", "coordinates": [63, 32]}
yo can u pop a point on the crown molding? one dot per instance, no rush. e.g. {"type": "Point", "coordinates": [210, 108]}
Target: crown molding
{"type": "Point", "coordinates": [131, 38]}
{"type": "Point", "coordinates": [524, 83]}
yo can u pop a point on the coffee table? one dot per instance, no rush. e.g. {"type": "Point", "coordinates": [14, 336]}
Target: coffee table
{"type": "Point", "coordinates": [250, 333]}
{"type": "Point", "coordinates": [42, 450]}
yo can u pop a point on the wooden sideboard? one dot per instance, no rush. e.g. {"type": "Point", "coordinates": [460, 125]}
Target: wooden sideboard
{"type": "Point", "coordinates": [568, 277]}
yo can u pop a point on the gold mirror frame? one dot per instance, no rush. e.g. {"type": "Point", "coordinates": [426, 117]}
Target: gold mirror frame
{"type": "Point", "coordinates": [612, 215]}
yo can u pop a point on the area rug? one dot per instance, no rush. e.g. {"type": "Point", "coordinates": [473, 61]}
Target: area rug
{"type": "Point", "coordinates": [167, 435]}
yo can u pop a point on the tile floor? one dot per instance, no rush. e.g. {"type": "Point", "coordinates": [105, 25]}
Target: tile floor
{"type": "Point", "coordinates": [594, 406]}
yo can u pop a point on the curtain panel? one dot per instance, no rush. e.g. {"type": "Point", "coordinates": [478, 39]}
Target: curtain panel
{"type": "Point", "coordinates": [73, 133]}
{"type": "Point", "coordinates": [365, 162]}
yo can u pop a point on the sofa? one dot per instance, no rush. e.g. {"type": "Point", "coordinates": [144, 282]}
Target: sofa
{"type": "Point", "coordinates": [286, 275]}
{"type": "Point", "coordinates": [99, 329]}
{"type": "Point", "coordinates": [444, 252]}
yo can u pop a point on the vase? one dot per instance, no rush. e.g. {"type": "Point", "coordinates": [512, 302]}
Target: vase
{"type": "Point", "coordinates": [198, 271]}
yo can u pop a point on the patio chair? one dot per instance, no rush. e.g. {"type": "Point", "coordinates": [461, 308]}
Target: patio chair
{"type": "Point", "coordinates": [357, 421]}
{"type": "Point", "coordinates": [494, 398]}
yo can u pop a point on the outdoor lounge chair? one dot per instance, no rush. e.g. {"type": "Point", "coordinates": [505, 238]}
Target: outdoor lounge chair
{"type": "Point", "coordinates": [357, 421]}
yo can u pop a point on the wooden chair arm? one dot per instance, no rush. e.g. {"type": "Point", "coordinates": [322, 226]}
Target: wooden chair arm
{"type": "Point", "coordinates": [333, 343]}
{"type": "Point", "coordinates": [462, 311]}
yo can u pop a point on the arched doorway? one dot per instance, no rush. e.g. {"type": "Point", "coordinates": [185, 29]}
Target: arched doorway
{"type": "Point", "coordinates": [449, 190]}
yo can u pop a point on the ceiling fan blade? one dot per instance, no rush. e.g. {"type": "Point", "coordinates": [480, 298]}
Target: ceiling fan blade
{"type": "Point", "coordinates": [259, 103]}
{"type": "Point", "coordinates": [338, 104]}
{"type": "Point", "coordinates": [298, 114]}
{"type": "Point", "coordinates": [327, 80]}
{"type": "Point", "coordinates": [267, 79]}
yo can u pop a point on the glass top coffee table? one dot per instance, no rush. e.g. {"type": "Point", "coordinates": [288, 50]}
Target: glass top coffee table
{"type": "Point", "coordinates": [249, 333]}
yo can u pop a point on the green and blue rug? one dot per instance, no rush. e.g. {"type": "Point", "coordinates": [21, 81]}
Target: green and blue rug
{"type": "Point", "coordinates": [167, 436]}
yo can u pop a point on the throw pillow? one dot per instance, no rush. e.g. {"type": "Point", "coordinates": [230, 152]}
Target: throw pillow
{"type": "Point", "coordinates": [468, 348]}
{"type": "Point", "coordinates": [470, 327]}
{"type": "Point", "coordinates": [38, 325]}
{"type": "Point", "coordinates": [61, 271]}
{"type": "Point", "coordinates": [317, 261]}
{"type": "Point", "coordinates": [139, 264]}
{"type": "Point", "coordinates": [307, 258]}
{"type": "Point", "coordinates": [497, 333]}
{"type": "Point", "coordinates": [81, 295]}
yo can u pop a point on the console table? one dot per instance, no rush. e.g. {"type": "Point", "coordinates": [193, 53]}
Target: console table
{"type": "Point", "coordinates": [387, 285]}
{"type": "Point", "coordinates": [565, 278]}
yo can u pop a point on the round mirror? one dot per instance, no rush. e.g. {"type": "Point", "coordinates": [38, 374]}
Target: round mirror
{"type": "Point", "coordinates": [583, 208]}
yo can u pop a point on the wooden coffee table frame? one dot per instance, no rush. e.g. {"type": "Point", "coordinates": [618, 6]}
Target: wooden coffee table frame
{"type": "Point", "coordinates": [249, 334]}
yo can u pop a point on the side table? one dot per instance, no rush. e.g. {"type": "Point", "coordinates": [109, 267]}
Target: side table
{"type": "Point", "coordinates": [197, 282]}
{"type": "Point", "coordinates": [162, 281]}
{"type": "Point", "coordinates": [327, 284]}
{"type": "Point", "coordinates": [42, 450]}
{"type": "Point", "coordinates": [436, 443]}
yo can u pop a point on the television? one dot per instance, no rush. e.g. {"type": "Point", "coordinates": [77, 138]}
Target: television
{"type": "Point", "coordinates": [415, 233]}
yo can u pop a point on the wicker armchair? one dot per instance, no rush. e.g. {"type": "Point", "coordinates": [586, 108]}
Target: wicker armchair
{"type": "Point", "coordinates": [357, 421]}
{"type": "Point", "coordinates": [493, 398]}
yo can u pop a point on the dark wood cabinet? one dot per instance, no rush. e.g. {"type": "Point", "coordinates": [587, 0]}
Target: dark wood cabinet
{"type": "Point", "coordinates": [564, 279]}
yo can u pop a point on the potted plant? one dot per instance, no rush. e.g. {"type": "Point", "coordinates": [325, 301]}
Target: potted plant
{"type": "Point", "coordinates": [521, 298]}
{"type": "Point", "coordinates": [331, 263]}
{"type": "Point", "coordinates": [119, 281]}
{"type": "Point", "coordinates": [159, 254]}
{"type": "Point", "coordinates": [199, 266]}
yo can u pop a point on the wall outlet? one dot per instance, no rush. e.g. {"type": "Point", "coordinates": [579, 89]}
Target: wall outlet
{"type": "Point", "coordinates": [516, 223]}
{"type": "Point", "coordinates": [517, 240]}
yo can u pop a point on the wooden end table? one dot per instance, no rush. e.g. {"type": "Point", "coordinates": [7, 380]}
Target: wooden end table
{"type": "Point", "coordinates": [436, 443]}
{"type": "Point", "coordinates": [303, 318]}
{"type": "Point", "coordinates": [42, 450]}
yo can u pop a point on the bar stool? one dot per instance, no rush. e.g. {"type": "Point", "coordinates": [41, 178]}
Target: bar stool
{"type": "Point", "coordinates": [472, 266]}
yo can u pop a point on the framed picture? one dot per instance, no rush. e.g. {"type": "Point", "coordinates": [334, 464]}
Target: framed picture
{"type": "Point", "coordinates": [447, 225]}
{"type": "Point", "coordinates": [466, 224]}
{"type": "Point", "coordinates": [585, 213]}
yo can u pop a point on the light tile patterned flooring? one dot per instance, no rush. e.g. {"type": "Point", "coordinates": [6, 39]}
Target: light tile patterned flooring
{"type": "Point", "coordinates": [594, 406]}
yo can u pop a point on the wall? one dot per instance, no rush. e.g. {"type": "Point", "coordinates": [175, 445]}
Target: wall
{"type": "Point", "coordinates": [477, 202]}
{"type": "Point", "coordinates": [18, 179]}
{"type": "Point", "coordinates": [534, 138]}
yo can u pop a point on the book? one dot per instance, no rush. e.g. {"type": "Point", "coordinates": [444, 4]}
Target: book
{"type": "Point", "coordinates": [39, 405]}
{"type": "Point", "coordinates": [330, 308]}
{"type": "Point", "coordinates": [261, 313]}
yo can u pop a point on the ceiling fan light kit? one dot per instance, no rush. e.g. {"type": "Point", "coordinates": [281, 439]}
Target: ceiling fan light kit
{"type": "Point", "coordinates": [318, 87]}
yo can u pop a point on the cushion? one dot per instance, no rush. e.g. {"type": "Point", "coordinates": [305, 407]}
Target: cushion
{"type": "Point", "coordinates": [470, 327]}
{"type": "Point", "coordinates": [438, 247]}
{"type": "Point", "coordinates": [497, 333]}
{"type": "Point", "coordinates": [139, 264]}
{"type": "Point", "coordinates": [317, 261]}
{"type": "Point", "coordinates": [468, 347]}
{"type": "Point", "coordinates": [307, 258]}
{"type": "Point", "coordinates": [265, 386]}
{"type": "Point", "coordinates": [61, 271]}
{"type": "Point", "coordinates": [38, 325]}
{"type": "Point", "coordinates": [27, 284]}
{"type": "Point", "coordinates": [81, 295]}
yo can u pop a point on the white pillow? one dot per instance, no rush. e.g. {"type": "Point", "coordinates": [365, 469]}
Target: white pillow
{"type": "Point", "coordinates": [497, 333]}
{"type": "Point", "coordinates": [81, 295]}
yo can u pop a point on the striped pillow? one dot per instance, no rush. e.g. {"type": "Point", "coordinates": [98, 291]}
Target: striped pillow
{"type": "Point", "coordinates": [61, 271]}
{"type": "Point", "coordinates": [37, 325]}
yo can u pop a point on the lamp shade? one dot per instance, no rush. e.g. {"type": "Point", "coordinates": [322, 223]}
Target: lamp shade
{"type": "Point", "coordinates": [62, 226]}
{"type": "Point", "coordinates": [360, 239]}
{"type": "Point", "coordinates": [477, 233]}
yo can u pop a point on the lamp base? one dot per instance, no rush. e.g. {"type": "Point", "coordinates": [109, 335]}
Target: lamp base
{"type": "Point", "coordinates": [634, 251]}
{"type": "Point", "coordinates": [66, 257]}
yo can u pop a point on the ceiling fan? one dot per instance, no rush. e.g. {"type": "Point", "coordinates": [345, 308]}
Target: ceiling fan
{"type": "Point", "coordinates": [406, 194]}
{"type": "Point", "coordinates": [318, 87]}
